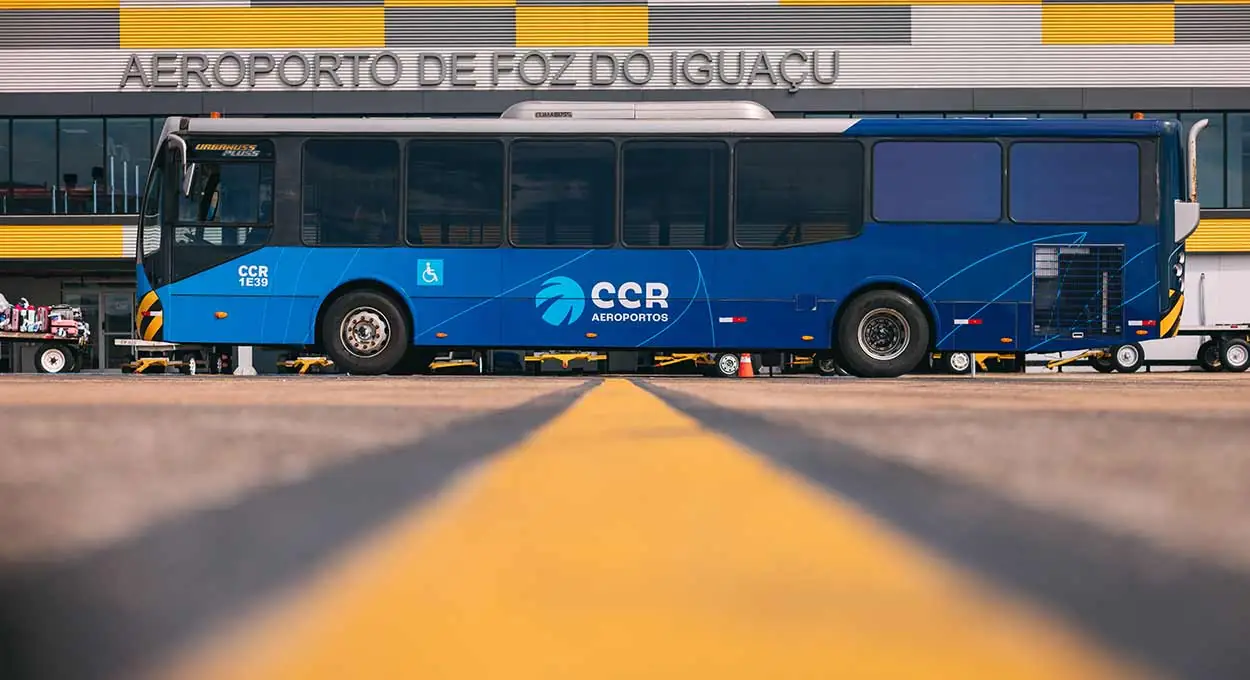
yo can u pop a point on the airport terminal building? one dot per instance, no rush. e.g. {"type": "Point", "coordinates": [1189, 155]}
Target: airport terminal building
{"type": "Point", "coordinates": [86, 84]}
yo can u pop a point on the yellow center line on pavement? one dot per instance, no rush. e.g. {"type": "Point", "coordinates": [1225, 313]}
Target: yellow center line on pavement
{"type": "Point", "coordinates": [623, 540]}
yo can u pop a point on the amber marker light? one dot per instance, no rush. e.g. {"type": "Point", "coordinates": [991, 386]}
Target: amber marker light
{"type": "Point", "coordinates": [440, 335]}
{"type": "Point", "coordinates": [220, 315]}
{"type": "Point", "coordinates": [592, 335]}
{"type": "Point", "coordinates": [1137, 115]}
{"type": "Point", "coordinates": [808, 338]}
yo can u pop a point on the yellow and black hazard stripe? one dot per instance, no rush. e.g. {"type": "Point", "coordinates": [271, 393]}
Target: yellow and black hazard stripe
{"type": "Point", "coordinates": [1171, 323]}
{"type": "Point", "coordinates": [149, 318]}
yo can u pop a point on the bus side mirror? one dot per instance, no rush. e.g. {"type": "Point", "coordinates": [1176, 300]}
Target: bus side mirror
{"type": "Point", "coordinates": [188, 172]}
{"type": "Point", "coordinates": [188, 178]}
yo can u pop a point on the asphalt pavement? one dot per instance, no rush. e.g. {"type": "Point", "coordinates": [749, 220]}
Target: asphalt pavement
{"type": "Point", "coordinates": [1076, 526]}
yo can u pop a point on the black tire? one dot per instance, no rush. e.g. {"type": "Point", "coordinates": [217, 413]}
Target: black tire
{"type": "Point", "coordinates": [894, 333]}
{"type": "Point", "coordinates": [957, 363]}
{"type": "Point", "coordinates": [1235, 355]}
{"type": "Point", "coordinates": [1209, 356]}
{"type": "Point", "coordinates": [54, 359]}
{"type": "Point", "coordinates": [1102, 364]}
{"type": "Point", "coordinates": [726, 365]}
{"type": "Point", "coordinates": [1128, 358]}
{"type": "Point", "coordinates": [827, 366]}
{"type": "Point", "coordinates": [377, 327]}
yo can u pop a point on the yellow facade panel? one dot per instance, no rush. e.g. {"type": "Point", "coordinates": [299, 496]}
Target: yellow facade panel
{"type": "Point", "coordinates": [241, 28]}
{"type": "Point", "coordinates": [1220, 236]}
{"type": "Point", "coordinates": [60, 4]}
{"type": "Point", "coordinates": [61, 242]}
{"type": "Point", "coordinates": [581, 26]}
{"type": "Point", "coordinates": [1108, 24]}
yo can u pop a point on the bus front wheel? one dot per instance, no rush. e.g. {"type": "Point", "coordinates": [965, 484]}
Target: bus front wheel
{"type": "Point", "coordinates": [365, 333]}
{"type": "Point", "coordinates": [883, 334]}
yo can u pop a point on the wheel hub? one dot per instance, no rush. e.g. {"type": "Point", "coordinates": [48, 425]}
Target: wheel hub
{"type": "Point", "coordinates": [1237, 355]}
{"type": "Point", "coordinates": [1127, 355]}
{"type": "Point", "coordinates": [960, 361]}
{"type": "Point", "coordinates": [728, 363]}
{"type": "Point", "coordinates": [53, 361]}
{"type": "Point", "coordinates": [884, 334]}
{"type": "Point", "coordinates": [365, 332]}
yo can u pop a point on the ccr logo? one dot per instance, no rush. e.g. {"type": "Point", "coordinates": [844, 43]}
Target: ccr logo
{"type": "Point", "coordinates": [564, 299]}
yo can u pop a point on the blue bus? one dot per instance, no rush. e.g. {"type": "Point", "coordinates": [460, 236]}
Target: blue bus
{"type": "Point", "coordinates": [665, 227]}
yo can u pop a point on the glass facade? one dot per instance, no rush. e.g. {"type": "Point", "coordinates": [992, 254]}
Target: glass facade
{"type": "Point", "coordinates": [98, 166]}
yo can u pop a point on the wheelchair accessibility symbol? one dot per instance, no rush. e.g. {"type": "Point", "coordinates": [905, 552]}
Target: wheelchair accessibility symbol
{"type": "Point", "coordinates": [431, 272]}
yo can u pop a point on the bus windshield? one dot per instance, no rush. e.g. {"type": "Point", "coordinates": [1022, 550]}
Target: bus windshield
{"type": "Point", "coordinates": [235, 195]}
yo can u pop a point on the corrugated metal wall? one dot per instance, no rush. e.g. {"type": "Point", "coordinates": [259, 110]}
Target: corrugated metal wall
{"type": "Point", "coordinates": [68, 45]}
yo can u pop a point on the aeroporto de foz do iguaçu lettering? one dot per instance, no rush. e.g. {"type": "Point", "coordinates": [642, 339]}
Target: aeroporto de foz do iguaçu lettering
{"type": "Point", "coordinates": [792, 69]}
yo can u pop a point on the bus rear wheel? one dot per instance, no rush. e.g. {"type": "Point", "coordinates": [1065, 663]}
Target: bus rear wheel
{"type": "Point", "coordinates": [365, 333]}
{"type": "Point", "coordinates": [883, 334]}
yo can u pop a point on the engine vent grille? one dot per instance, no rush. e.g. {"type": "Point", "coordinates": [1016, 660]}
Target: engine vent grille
{"type": "Point", "coordinates": [1078, 291]}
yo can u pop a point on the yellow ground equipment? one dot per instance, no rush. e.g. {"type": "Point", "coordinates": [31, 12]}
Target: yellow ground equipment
{"type": "Point", "coordinates": [302, 365]}
{"type": "Point", "coordinates": [535, 360]}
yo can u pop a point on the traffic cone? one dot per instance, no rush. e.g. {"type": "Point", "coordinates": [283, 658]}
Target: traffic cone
{"type": "Point", "coordinates": [745, 368]}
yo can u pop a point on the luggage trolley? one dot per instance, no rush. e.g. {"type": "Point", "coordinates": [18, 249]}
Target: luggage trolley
{"type": "Point", "coordinates": [62, 337]}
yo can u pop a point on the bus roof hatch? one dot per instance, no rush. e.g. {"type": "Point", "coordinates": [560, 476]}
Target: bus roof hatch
{"type": "Point", "coordinates": [723, 110]}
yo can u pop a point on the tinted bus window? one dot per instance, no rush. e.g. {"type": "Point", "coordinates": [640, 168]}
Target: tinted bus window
{"type": "Point", "coordinates": [1084, 182]}
{"type": "Point", "coordinates": [937, 181]}
{"type": "Point", "coordinates": [351, 192]}
{"type": "Point", "coordinates": [798, 192]}
{"type": "Point", "coordinates": [676, 194]}
{"type": "Point", "coordinates": [455, 193]}
{"type": "Point", "coordinates": [563, 193]}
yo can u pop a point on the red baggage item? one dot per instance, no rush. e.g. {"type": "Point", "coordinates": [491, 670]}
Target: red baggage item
{"type": "Point", "coordinates": [41, 315]}
{"type": "Point", "coordinates": [65, 328]}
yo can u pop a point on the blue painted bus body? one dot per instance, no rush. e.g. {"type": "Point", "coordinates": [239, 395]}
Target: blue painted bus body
{"type": "Point", "coordinates": [725, 298]}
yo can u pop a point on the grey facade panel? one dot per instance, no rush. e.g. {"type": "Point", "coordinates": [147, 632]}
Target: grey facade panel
{"type": "Point", "coordinates": [1139, 99]}
{"type": "Point", "coordinates": [1025, 99]}
{"type": "Point", "coordinates": [1212, 24]}
{"type": "Point", "coordinates": [140, 104]}
{"type": "Point", "coordinates": [807, 101]}
{"type": "Point", "coordinates": [784, 26]}
{"type": "Point", "coordinates": [1221, 98]}
{"type": "Point", "coordinates": [365, 103]}
{"type": "Point", "coordinates": [73, 29]}
{"type": "Point", "coordinates": [434, 27]}
{"type": "Point", "coordinates": [919, 100]}
{"type": "Point", "coordinates": [254, 103]}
